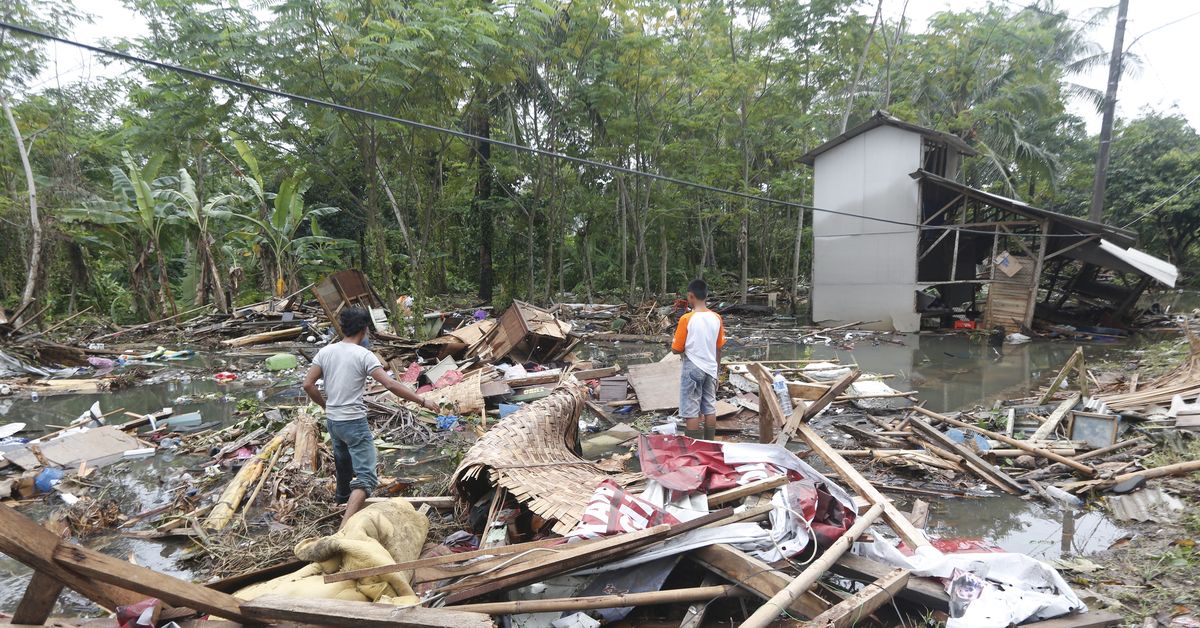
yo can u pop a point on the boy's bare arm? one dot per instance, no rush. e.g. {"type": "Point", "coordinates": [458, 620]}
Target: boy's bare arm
{"type": "Point", "coordinates": [310, 385]}
{"type": "Point", "coordinates": [401, 391]}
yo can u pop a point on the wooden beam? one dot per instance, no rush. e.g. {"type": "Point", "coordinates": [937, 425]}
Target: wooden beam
{"type": "Point", "coordinates": [38, 602]}
{"type": "Point", "coordinates": [618, 600]}
{"type": "Point", "coordinates": [1091, 238]}
{"type": "Point", "coordinates": [802, 583]}
{"type": "Point", "coordinates": [770, 413]}
{"type": "Point", "coordinates": [24, 540]}
{"type": "Point", "coordinates": [148, 582]}
{"type": "Point", "coordinates": [907, 532]}
{"type": "Point", "coordinates": [273, 608]}
{"type": "Point", "coordinates": [830, 395]}
{"type": "Point", "coordinates": [733, 494]}
{"type": "Point", "coordinates": [1019, 444]}
{"type": "Point", "coordinates": [753, 574]}
{"type": "Point", "coordinates": [859, 606]}
{"type": "Point", "coordinates": [983, 468]}
{"type": "Point", "coordinates": [1046, 430]}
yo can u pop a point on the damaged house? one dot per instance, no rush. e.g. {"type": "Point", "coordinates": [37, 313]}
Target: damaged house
{"type": "Point", "coordinates": [907, 243]}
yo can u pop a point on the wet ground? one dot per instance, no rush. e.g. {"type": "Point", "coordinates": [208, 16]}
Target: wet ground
{"type": "Point", "coordinates": [949, 371]}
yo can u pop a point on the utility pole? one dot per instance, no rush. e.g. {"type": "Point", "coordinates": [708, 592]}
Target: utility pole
{"type": "Point", "coordinates": [1110, 107]}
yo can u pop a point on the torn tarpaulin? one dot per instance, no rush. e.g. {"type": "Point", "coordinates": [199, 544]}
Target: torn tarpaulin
{"type": "Point", "coordinates": [612, 510]}
{"type": "Point", "coordinates": [1017, 587]}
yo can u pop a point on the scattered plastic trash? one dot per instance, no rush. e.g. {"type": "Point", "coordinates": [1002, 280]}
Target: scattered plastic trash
{"type": "Point", "coordinates": [965, 587]}
{"type": "Point", "coordinates": [1017, 338]}
{"type": "Point", "coordinates": [68, 498]}
{"type": "Point", "coordinates": [282, 362]}
{"type": "Point", "coordinates": [33, 396]}
{"type": "Point", "coordinates": [225, 376]}
{"type": "Point", "coordinates": [1064, 497]}
{"type": "Point", "coordinates": [579, 619]}
{"type": "Point", "coordinates": [666, 429]}
{"type": "Point", "coordinates": [101, 363]}
{"type": "Point", "coordinates": [9, 429]}
{"type": "Point", "coordinates": [447, 422]}
{"type": "Point", "coordinates": [5, 390]}
{"type": "Point", "coordinates": [508, 408]}
{"type": "Point", "coordinates": [47, 479]}
{"type": "Point", "coordinates": [781, 391]}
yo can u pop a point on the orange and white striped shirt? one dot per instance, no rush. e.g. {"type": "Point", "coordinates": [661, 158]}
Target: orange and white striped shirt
{"type": "Point", "coordinates": [698, 336]}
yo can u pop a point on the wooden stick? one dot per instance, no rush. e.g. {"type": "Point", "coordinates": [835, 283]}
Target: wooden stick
{"type": "Point", "coordinates": [1037, 451]}
{"type": "Point", "coordinates": [65, 321]}
{"type": "Point", "coordinates": [982, 467]}
{"type": "Point", "coordinates": [770, 413]}
{"type": "Point", "coordinates": [273, 609]}
{"type": "Point", "coordinates": [1056, 383]}
{"type": "Point", "coordinates": [1179, 468]}
{"type": "Point", "coordinates": [145, 325]}
{"type": "Point", "coordinates": [826, 399]}
{"type": "Point", "coordinates": [782, 600]}
{"type": "Point", "coordinates": [913, 537]}
{"type": "Point", "coordinates": [754, 575]}
{"type": "Point", "coordinates": [603, 601]}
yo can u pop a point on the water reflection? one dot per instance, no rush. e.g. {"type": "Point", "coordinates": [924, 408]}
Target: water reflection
{"type": "Point", "coordinates": [1024, 526]}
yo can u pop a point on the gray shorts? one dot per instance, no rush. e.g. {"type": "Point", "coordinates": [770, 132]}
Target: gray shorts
{"type": "Point", "coordinates": [697, 392]}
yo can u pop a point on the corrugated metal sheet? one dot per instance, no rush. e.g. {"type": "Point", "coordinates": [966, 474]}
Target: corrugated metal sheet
{"type": "Point", "coordinates": [1149, 504]}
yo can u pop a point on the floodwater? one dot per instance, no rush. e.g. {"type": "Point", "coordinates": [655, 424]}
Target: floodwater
{"type": "Point", "coordinates": [949, 371]}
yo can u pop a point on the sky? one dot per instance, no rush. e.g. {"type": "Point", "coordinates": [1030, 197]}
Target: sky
{"type": "Point", "coordinates": [1166, 79]}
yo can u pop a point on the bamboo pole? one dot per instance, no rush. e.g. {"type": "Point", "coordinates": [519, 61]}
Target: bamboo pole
{"type": "Point", "coordinates": [782, 600]}
{"type": "Point", "coordinates": [1179, 468]}
{"type": "Point", "coordinates": [264, 337]}
{"type": "Point", "coordinates": [554, 605]}
{"type": "Point", "coordinates": [1019, 444]}
{"type": "Point", "coordinates": [231, 497]}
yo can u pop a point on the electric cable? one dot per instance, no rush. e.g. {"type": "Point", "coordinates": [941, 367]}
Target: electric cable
{"type": "Point", "coordinates": [318, 102]}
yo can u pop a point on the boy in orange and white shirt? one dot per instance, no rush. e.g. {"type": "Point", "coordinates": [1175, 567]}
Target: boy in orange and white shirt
{"type": "Point", "coordinates": [699, 338]}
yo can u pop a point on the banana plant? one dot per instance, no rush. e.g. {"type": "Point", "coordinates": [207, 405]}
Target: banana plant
{"type": "Point", "coordinates": [277, 231]}
{"type": "Point", "coordinates": [136, 220]}
{"type": "Point", "coordinates": [198, 215]}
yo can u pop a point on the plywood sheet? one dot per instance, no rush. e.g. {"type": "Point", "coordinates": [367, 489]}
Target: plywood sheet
{"type": "Point", "coordinates": [98, 446]}
{"type": "Point", "coordinates": [656, 384]}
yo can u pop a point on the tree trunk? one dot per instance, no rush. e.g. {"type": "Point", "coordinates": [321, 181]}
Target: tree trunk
{"type": "Point", "coordinates": [662, 247]}
{"type": "Point", "coordinates": [35, 222]}
{"type": "Point", "coordinates": [861, 61]}
{"type": "Point", "coordinates": [1096, 213]}
{"type": "Point", "coordinates": [481, 204]}
{"type": "Point", "coordinates": [796, 259]}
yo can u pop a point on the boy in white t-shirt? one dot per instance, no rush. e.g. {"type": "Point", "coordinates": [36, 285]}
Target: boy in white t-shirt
{"type": "Point", "coordinates": [699, 338]}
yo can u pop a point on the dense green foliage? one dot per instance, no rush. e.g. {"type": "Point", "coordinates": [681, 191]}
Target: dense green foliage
{"type": "Point", "coordinates": [161, 191]}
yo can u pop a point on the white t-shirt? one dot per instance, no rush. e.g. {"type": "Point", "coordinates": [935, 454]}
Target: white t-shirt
{"type": "Point", "coordinates": [345, 367]}
{"type": "Point", "coordinates": [698, 336]}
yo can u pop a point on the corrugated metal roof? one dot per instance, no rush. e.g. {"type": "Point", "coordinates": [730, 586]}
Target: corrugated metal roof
{"type": "Point", "coordinates": [883, 118]}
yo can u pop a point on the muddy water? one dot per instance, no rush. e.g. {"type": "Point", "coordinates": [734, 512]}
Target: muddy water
{"type": "Point", "coordinates": [951, 372]}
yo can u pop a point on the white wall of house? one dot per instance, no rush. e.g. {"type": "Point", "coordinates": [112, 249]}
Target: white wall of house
{"type": "Point", "coordinates": [865, 270]}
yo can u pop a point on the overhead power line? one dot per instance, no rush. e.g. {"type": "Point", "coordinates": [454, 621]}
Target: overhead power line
{"type": "Point", "coordinates": [1162, 202]}
{"type": "Point", "coordinates": [270, 91]}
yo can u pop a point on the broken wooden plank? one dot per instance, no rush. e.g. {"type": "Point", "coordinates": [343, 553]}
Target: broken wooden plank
{"type": "Point", "coordinates": [24, 540]}
{"type": "Point", "coordinates": [983, 468]}
{"type": "Point", "coordinates": [272, 608]}
{"type": "Point", "coordinates": [38, 602]}
{"type": "Point", "coordinates": [656, 384]}
{"type": "Point", "coordinates": [770, 414]}
{"type": "Point", "coordinates": [441, 560]}
{"type": "Point", "coordinates": [1072, 362]}
{"type": "Point", "coordinates": [896, 519]}
{"type": "Point", "coordinates": [1046, 430]}
{"type": "Point", "coordinates": [920, 513]}
{"type": "Point", "coordinates": [148, 582]}
{"type": "Point", "coordinates": [780, 602]}
{"type": "Point", "coordinates": [759, 577]}
{"type": "Point", "coordinates": [926, 592]}
{"type": "Point", "coordinates": [859, 606]}
{"type": "Point", "coordinates": [264, 337]}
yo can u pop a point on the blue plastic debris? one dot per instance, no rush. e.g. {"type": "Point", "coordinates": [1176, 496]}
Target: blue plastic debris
{"type": "Point", "coordinates": [447, 422]}
{"type": "Point", "coordinates": [508, 408]}
{"type": "Point", "coordinates": [45, 481]}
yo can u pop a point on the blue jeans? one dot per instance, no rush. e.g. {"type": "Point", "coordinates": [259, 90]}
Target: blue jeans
{"type": "Point", "coordinates": [353, 457]}
{"type": "Point", "coordinates": [697, 392]}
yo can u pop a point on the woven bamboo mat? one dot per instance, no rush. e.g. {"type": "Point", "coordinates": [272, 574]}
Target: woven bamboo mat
{"type": "Point", "coordinates": [531, 453]}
